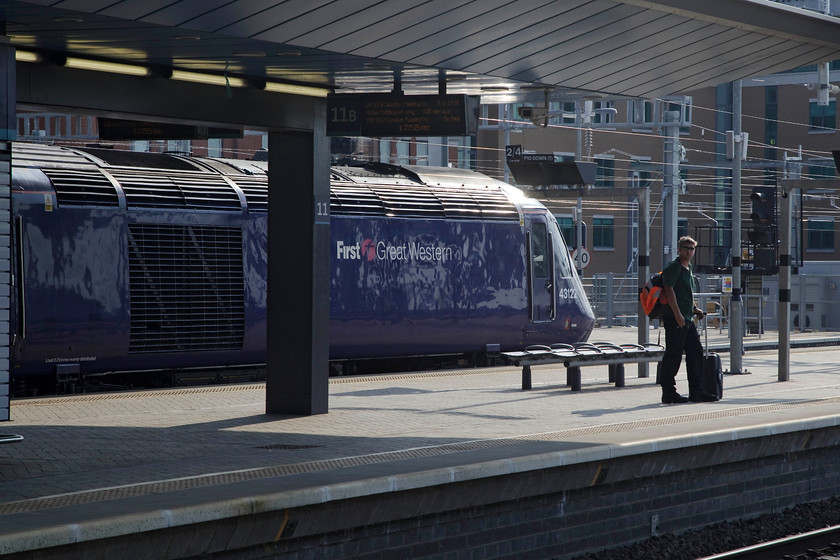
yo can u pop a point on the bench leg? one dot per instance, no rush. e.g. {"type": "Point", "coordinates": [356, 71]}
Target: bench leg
{"type": "Point", "coordinates": [619, 375]}
{"type": "Point", "coordinates": [573, 378]}
{"type": "Point", "coordinates": [611, 369]}
{"type": "Point", "coordinates": [526, 378]}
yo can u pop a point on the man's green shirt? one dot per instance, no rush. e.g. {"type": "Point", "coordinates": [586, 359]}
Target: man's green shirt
{"type": "Point", "coordinates": [682, 280]}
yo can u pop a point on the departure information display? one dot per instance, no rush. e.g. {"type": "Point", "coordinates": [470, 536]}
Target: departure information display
{"type": "Point", "coordinates": [388, 114]}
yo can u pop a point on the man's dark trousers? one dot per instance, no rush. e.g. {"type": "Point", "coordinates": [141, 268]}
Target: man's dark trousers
{"type": "Point", "coordinates": [678, 340]}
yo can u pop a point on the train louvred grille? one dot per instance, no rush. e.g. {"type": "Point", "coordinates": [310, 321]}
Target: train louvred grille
{"type": "Point", "coordinates": [493, 205]}
{"type": "Point", "coordinates": [194, 192]}
{"type": "Point", "coordinates": [209, 193]}
{"type": "Point", "coordinates": [398, 201]}
{"type": "Point", "coordinates": [355, 200]}
{"type": "Point", "coordinates": [410, 202]}
{"type": "Point", "coordinates": [88, 188]}
{"type": "Point", "coordinates": [256, 192]}
{"type": "Point", "coordinates": [186, 288]}
{"type": "Point", "coordinates": [36, 155]}
{"type": "Point", "coordinates": [154, 191]}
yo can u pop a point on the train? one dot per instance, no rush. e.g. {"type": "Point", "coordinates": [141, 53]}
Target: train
{"type": "Point", "coordinates": [133, 263]}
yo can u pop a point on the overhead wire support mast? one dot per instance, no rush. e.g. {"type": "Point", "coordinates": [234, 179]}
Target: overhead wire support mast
{"type": "Point", "coordinates": [739, 146]}
{"type": "Point", "coordinates": [671, 185]}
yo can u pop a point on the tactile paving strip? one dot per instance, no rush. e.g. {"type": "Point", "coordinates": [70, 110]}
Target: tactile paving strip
{"type": "Point", "coordinates": [89, 397]}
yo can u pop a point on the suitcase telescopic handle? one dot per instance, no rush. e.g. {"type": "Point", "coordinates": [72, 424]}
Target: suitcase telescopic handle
{"type": "Point", "coordinates": [706, 330]}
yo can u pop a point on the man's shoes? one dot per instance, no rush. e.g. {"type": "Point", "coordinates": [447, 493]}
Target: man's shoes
{"type": "Point", "coordinates": [702, 397]}
{"type": "Point", "coordinates": [673, 398]}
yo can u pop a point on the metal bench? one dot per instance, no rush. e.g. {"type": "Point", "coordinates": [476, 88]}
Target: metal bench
{"type": "Point", "coordinates": [10, 438]}
{"type": "Point", "coordinates": [575, 356]}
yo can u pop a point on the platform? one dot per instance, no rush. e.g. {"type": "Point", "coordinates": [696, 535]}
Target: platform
{"type": "Point", "coordinates": [97, 467]}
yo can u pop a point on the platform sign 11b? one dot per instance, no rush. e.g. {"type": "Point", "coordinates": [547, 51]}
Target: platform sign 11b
{"type": "Point", "coordinates": [388, 114]}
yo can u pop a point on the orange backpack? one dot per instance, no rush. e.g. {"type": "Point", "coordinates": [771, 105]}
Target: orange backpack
{"type": "Point", "coordinates": [652, 297]}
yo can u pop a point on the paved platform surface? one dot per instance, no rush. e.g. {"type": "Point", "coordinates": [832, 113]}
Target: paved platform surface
{"type": "Point", "coordinates": [106, 464]}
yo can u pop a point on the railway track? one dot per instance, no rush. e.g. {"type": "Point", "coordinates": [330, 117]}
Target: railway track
{"type": "Point", "coordinates": [820, 544]}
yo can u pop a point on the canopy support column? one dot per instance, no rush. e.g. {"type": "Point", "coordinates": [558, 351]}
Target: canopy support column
{"type": "Point", "coordinates": [297, 374]}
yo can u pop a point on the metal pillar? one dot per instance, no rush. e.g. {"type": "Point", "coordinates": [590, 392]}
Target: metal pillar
{"type": "Point", "coordinates": [582, 108]}
{"type": "Point", "coordinates": [644, 267]}
{"type": "Point", "coordinates": [785, 261]}
{"type": "Point", "coordinates": [297, 373]}
{"type": "Point", "coordinates": [736, 319]}
{"type": "Point", "coordinates": [670, 186]}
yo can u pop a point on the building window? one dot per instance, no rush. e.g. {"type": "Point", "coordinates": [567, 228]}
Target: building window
{"type": "Point", "coordinates": [422, 157]}
{"type": "Point", "coordinates": [178, 146]}
{"type": "Point", "coordinates": [640, 112]}
{"type": "Point", "coordinates": [385, 150]}
{"type": "Point", "coordinates": [569, 230]}
{"type": "Point", "coordinates": [682, 227]}
{"type": "Point", "coordinates": [820, 234]}
{"type": "Point", "coordinates": [465, 151]}
{"type": "Point", "coordinates": [403, 152]}
{"type": "Point", "coordinates": [140, 146]}
{"type": "Point", "coordinates": [214, 147]}
{"type": "Point", "coordinates": [823, 118]}
{"type": "Point", "coordinates": [568, 107]}
{"type": "Point", "coordinates": [605, 172]}
{"type": "Point", "coordinates": [562, 113]}
{"type": "Point", "coordinates": [821, 171]}
{"type": "Point", "coordinates": [604, 116]}
{"type": "Point", "coordinates": [603, 232]}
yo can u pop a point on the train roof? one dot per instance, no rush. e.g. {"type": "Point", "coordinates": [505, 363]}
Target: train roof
{"type": "Point", "coordinates": [380, 189]}
{"type": "Point", "coordinates": [164, 180]}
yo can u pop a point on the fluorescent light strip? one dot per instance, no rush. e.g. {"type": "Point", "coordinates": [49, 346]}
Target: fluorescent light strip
{"type": "Point", "coordinates": [296, 90]}
{"type": "Point", "coordinates": [27, 56]}
{"type": "Point", "coordinates": [182, 75]}
{"type": "Point", "coordinates": [101, 66]}
{"type": "Point", "coordinates": [211, 79]}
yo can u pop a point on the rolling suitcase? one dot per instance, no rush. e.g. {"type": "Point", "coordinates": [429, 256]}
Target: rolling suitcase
{"type": "Point", "coordinates": [712, 368]}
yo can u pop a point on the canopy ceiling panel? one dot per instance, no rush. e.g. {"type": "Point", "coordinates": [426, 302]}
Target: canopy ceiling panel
{"type": "Point", "coordinates": [630, 48]}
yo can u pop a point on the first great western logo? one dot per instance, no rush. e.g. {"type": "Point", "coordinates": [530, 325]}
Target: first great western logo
{"type": "Point", "coordinates": [372, 250]}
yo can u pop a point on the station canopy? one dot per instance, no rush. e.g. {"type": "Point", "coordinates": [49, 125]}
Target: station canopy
{"type": "Point", "coordinates": [504, 51]}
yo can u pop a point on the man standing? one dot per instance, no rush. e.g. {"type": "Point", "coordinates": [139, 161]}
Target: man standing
{"type": "Point", "coordinates": [680, 331]}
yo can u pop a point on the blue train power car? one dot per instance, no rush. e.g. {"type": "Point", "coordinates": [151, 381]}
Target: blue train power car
{"type": "Point", "coordinates": [137, 262]}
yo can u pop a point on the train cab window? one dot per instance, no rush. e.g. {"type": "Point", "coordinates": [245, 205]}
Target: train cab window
{"type": "Point", "coordinates": [562, 257]}
{"type": "Point", "coordinates": [539, 249]}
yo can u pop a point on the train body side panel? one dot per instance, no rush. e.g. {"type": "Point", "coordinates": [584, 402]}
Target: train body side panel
{"type": "Point", "coordinates": [256, 288]}
{"type": "Point", "coordinates": [112, 291]}
{"type": "Point", "coordinates": [72, 303]}
{"type": "Point", "coordinates": [403, 287]}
